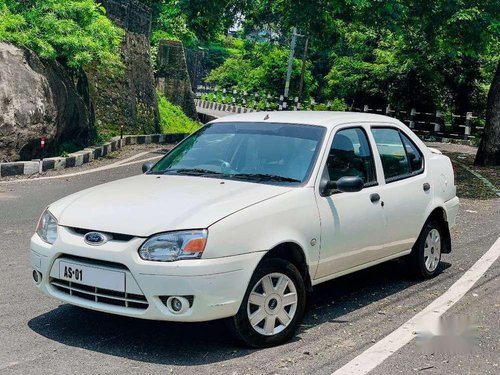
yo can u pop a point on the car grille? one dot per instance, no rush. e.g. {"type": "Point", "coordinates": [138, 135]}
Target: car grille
{"type": "Point", "coordinates": [115, 236]}
{"type": "Point", "coordinates": [99, 295]}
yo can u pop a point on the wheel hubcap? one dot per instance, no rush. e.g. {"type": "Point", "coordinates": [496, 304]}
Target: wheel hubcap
{"type": "Point", "coordinates": [432, 250]}
{"type": "Point", "coordinates": [272, 304]}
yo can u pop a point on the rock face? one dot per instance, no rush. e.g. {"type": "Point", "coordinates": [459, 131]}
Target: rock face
{"type": "Point", "coordinates": [127, 99]}
{"type": "Point", "coordinates": [37, 99]}
{"type": "Point", "coordinates": [172, 78]}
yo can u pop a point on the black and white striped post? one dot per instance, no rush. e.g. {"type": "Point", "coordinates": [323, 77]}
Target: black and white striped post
{"type": "Point", "coordinates": [413, 112]}
{"type": "Point", "coordinates": [311, 105]}
{"type": "Point", "coordinates": [468, 126]}
{"type": "Point", "coordinates": [244, 100]}
{"type": "Point", "coordinates": [388, 110]}
{"type": "Point", "coordinates": [42, 152]}
{"type": "Point", "coordinates": [438, 120]}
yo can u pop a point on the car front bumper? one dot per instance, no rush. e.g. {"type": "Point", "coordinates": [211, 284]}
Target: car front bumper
{"type": "Point", "coordinates": [216, 286]}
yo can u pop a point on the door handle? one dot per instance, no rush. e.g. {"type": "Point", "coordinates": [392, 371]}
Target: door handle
{"type": "Point", "coordinates": [375, 197]}
{"type": "Point", "coordinates": [426, 186]}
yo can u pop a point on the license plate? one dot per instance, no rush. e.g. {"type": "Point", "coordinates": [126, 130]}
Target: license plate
{"type": "Point", "coordinates": [92, 276]}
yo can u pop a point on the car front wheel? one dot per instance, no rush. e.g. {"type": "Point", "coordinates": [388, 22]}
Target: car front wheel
{"type": "Point", "coordinates": [273, 305]}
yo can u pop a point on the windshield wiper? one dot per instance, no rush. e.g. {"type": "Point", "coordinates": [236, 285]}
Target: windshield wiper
{"type": "Point", "coordinates": [263, 177]}
{"type": "Point", "coordinates": [193, 171]}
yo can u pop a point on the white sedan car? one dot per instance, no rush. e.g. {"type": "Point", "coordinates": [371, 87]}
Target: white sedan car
{"type": "Point", "coordinates": [245, 216]}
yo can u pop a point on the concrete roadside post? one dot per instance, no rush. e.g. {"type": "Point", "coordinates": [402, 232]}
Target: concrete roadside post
{"type": "Point", "coordinates": [42, 149]}
{"type": "Point", "coordinates": [437, 121]}
{"type": "Point", "coordinates": [468, 120]}
{"type": "Point", "coordinates": [413, 112]}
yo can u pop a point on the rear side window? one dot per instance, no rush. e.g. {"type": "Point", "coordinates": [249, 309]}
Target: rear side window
{"type": "Point", "coordinates": [399, 155]}
{"type": "Point", "coordinates": [392, 153]}
{"type": "Point", "coordinates": [350, 155]}
{"type": "Point", "coordinates": [414, 155]}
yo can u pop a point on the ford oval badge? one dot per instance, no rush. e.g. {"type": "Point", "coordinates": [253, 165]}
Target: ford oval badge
{"type": "Point", "coordinates": [95, 238]}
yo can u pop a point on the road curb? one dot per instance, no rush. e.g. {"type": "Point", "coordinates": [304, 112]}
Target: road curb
{"type": "Point", "coordinates": [86, 155]}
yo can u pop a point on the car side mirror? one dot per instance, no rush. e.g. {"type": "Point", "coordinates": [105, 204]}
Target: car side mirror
{"type": "Point", "coordinates": [147, 166]}
{"type": "Point", "coordinates": [346, 184]}
{"type": "Point", "coordinates": [350, 184]}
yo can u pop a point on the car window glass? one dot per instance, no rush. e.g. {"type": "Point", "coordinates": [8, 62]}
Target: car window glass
{"type": "Point", "coordinates": [392, 153]}
{"type": "Point", "coordinates": [350, 155]}
{"type": "Point", "coordinates": [413, 153]}
{"type": "Point", "coordinates": [285, 150]}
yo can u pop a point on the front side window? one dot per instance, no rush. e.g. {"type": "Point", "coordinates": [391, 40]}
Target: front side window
{"type": "Point", "coordinates": [350, 155]}
{"type": "Point", "coordinates": [393, 153]}
{"type": "Point", "coordinates": [258, 152]}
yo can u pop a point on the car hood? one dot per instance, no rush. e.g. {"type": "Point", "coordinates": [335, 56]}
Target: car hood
{"type": "Point", "coordinates": [148, 204]}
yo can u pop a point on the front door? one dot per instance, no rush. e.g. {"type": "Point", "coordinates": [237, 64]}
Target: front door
{"type": "Point", "coordinates": [353, 225]}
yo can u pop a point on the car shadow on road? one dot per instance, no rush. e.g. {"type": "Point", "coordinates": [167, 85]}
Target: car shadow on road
{"type": "Point", "coordinates": [189, 344]}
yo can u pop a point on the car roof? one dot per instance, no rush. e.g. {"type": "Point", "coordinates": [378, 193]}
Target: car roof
{"type": "Point", "coordinates": [328, 119]}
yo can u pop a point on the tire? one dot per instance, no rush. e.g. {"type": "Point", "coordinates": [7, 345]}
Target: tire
{"type": "Point", "coordinates": [275, 315]}
{"type": "Point", "coordinates": [426, 253]}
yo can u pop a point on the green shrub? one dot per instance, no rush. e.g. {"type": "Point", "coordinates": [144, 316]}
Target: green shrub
{"type": "Point", "coordinates": [173, 119]}
{"type": "Point", "coordinates": [75, 32]}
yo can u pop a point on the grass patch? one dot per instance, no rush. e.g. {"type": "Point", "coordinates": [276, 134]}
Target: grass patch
{"type": "Point", "coordinates": [173, 119]}
{"type": "Point", "coordinates": [468, 185]}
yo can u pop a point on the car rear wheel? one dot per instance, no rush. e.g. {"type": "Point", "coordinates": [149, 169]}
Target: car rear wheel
{"type": "Point", "coordinates": [426, 253]}
{"type": "Point", "coordinates": [273, 305]}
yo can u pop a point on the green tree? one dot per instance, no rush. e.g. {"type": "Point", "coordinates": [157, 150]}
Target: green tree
{"type": "Point", "coordinates": [489, 148]}
{"type": "Point", "coordinates": [75, 32]}
{"type": "Point", "coordinates": [261, 68]}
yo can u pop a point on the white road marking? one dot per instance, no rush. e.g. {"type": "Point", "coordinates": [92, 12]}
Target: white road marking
{"type": "Point", "coordinates": [120, 163]}
{"type": "Point", "coordinates": [379, 352]}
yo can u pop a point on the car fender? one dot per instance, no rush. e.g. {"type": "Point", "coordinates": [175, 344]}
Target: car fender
{"type": "Point", "coordinates": [291, 217]}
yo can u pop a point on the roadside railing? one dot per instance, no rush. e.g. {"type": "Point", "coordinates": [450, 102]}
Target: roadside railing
{"type": "Point", "coordinates": [466, 127]}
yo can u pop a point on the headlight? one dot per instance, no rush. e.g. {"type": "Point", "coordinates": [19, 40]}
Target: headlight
{"type": "Point", "coordinates": [47, 227]}
{"type": "Point", "coordinates": [167, 247]}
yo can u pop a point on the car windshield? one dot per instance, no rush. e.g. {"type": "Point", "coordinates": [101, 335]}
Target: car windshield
{"type": "Point", "coordinates": [259, 152]}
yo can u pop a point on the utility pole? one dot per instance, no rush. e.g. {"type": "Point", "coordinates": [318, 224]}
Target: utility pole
{"type": "Point", "coordinates": [290, 65]}
{"type": "Point", "coordinates": [303, 71]}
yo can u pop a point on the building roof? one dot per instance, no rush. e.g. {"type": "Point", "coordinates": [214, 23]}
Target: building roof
{"type": "Point", "coordinates": [323, 118]}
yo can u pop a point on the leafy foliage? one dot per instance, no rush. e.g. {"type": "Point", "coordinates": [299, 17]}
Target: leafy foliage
{"type": "Point", "coordinates": [260, 67]}
{"type": "Point", "coordinates": [75, 32]}
{"type": "Point", "coordinates": [173, 119]}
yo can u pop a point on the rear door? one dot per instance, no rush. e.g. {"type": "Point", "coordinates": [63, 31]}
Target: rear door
{"type": "Point", "coordinates": [406, 192]}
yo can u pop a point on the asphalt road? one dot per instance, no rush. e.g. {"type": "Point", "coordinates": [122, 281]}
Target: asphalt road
{"type": "Point", "coordinates": [345, 316]}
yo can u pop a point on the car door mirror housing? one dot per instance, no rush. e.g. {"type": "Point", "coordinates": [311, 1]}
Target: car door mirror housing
{"type": "Point", "coordinates": [346, 184]}
{"type": "Point", "coordinates": [147, 166]}
{"type": "Point", "coordinates": [349, 184]}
